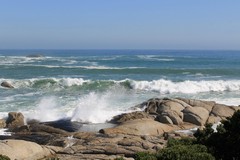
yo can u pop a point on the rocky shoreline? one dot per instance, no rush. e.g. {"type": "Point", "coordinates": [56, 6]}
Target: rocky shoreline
{"type": "Point", "coordinates": [139, 131]}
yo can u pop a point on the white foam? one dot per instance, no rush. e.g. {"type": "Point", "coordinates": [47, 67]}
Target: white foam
{"type": "Point", "coordinates": [167, 86]}
{"type": "Point", "coordinates": [4, 132]}
{"type": "Point", "coordinates": [188, 131]}
{"type": "Point", "coordinates": [13, 60]}
{"type": "Point", "coordinates": [155, 58]}
{"type": "Point", "coordinates": [46, 110]}
{"type": "Point", "coordinates": [225, 100]}
{"type": "Point", "coordinates": [95, 108]}
{"type": "Point", "coordinates": [71, 81]}
{"type": "Point", "coordinates": [21, 83]}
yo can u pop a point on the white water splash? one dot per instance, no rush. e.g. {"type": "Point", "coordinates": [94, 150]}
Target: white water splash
{"type": "Point", "coordinates": [94, 108]}
{"type": "Point", "coordinates": [189, 87]}
{"type": "Point", "coordinates": [46, 110]}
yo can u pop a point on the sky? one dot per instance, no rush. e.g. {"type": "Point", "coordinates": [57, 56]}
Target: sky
{"type": "Point", "coordinates": [120, 24]}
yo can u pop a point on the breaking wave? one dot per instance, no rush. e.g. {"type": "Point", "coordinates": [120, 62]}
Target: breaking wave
{"type": "Point", "coordinates": [162, 86]}
{"type": "Point", "coordinates": [167, 86]}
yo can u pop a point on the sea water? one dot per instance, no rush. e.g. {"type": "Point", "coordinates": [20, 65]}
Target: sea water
{"type": "Point", "coordinates": [92, 86]}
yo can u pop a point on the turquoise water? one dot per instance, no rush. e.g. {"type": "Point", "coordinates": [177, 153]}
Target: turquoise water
{"type": "Point", "coordinates": [94, 85]}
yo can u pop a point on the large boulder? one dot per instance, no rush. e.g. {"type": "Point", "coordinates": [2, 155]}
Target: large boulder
{"type": "Point", "coordinates": [152, 105]}
{"type": "Point", "coordinates": [174, 116]}
{"type": "Point", "coordinates": [15, 120]}
{"type": "Point", "coordinates": [6, 84]}
{"type": "Point", "coordinates": [195, 115]}
{"type": "Point", "coordinates": [213, 119]}
{"type": "Point", "coordinates": [140, 127]}
{"type": "Point", "coordinates": [130, 116]}
{"type": "Point", "coordinates": [24, 150]}
{"type": "Point", "coordinates": [168, 111]}
{"type": "Point", "coordinates": [224, 111]}
{"type": "Point", "coordinates": [173, 104]}
{"type": "Point", "coordinates": [35, 126]}
{"type": "Point", "coordinates": [199, 103]}
{"type": "Point", "coordinates": [164, 119]}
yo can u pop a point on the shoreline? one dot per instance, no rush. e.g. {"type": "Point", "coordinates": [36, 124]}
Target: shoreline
{"type": "Point", "coordinates": [139, 131]}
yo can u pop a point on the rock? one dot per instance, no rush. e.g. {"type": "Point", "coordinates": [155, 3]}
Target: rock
{"type": "Point", "coordinates": [6, 84]}
{"type": "Point", "coordinates": [198, 103]}
{"type": "Point", "coordinates": [152, 105]}
{"type": "Point", "coordinates": [168, 111]}
{"type": "Point", "coordinates": [64, 124]}
{"type": "Point", "coordinates": [173, 115]}
{"type": "Point", "coordinates": [130, 116]}
{"type": "Point", "coordinates": [140, 131]}
{"type": "Point", "coordinates": [223, 111]}
{"type": "Point", "coordinates": [213, 119]}
{"type": "Point", "coordinates": [36, 127]}
{"type": "Point", "coordinates": [164, 119]}
{"type": "Point", "coordinates": [83, 135]}
{"type": "Point", "coordinates": [2, 123]}
{"type": "Point", "coordinates": [140, 127]}
{"type": "Point", "coordinates": [24, 150]}
{"type": "Point", "coordinates": [125, 145]}
{"type": "Point", "coordinates": [173, 105]}
{"type": "Point", "coordinates": [14, 120]}
{"type": "Point", "coordinates": [195, 115]}
{"type": "Point", "coordinates": [91, 157]}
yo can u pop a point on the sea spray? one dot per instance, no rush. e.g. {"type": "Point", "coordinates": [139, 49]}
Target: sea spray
{"type": "Point", "coordinates": [96, 108]}
{"type": "Point", "coordinates": [46, 110]}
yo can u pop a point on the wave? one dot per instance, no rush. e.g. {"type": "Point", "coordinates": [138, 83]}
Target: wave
{"type": "Point", "coordinates": [155, 58]}
{"type": "Point", "coordinates": [162, 86]}
{"type": "Point", "coordinates": [68, 66]}
{"type": "Point", "coordinates": [168, 87]}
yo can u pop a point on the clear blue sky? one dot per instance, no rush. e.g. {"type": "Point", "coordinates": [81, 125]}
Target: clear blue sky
{"type": "Point", "coordinates": [120, 24]}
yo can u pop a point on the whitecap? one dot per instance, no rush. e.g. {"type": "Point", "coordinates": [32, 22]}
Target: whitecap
{"type": "Point", "coordinates": [155, 58]}
{"type": "Point", "coordinates": [189, 87]}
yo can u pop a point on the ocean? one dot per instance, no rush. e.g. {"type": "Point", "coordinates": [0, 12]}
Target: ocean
{"type": "Point", "coordinates": [91, 86]}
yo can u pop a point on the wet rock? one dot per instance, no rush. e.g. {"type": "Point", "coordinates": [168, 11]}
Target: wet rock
{"type": "Point", "coordinates": [6, 84]}
{"type": "Point", "coordinates": [64, 124]}
{"type": "Point", "coordinates": [2, 123]}
{"type": "Point", "coordinates": [37, 127]}
{"type": "Point", "coordinates": [14, 120]}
